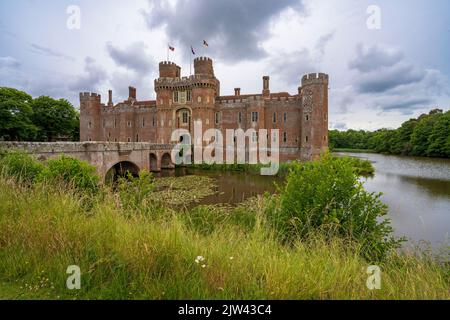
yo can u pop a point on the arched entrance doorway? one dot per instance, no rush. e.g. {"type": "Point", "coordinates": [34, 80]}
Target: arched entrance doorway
{"type": "Point", "coordinates": [121, 169]}
{"type": "Point", "coordinates": [153, 162]}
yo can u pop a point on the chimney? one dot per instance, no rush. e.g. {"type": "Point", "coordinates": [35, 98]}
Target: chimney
{"type": "Point", "coordinates": [110, 102]}
{"type": "Point", "coordinates": [131, 93]}
{"type": "Point", "coordinates": [237, 91]}
{"type": "Point", "coordinates": [266, 90]}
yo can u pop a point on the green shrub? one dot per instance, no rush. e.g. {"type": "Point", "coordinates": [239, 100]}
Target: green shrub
{"type": "Point", "coordinates": [21, 166]}
{"type": "Point", "coordinates": [79, 174]}
{"type": "Point", "coordinates": [326, 195]}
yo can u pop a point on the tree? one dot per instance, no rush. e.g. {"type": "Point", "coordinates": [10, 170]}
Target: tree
{"type": "Point", "coordinates": [439, 139]}
{"type": "Point", "coordinates": [15, 115]}
{"type": "Point", "coordinates": [54, 118]}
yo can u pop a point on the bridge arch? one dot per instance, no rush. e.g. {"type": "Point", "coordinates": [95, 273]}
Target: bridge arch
{"type": "Point", "coordinates": [121, 169]}
{"type": "Point", "coordinates": [153, 159]}
{"type": "Point", "coordinates": [166, 161]}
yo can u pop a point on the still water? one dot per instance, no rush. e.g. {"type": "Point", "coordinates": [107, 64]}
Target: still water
{"type": "Point", "coordinates": [417, 191]}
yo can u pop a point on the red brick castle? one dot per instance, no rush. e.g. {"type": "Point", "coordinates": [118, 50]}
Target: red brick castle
{"type": "Point", "coordinates": [302, 119]}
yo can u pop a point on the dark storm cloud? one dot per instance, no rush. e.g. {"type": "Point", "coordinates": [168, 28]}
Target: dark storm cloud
{"type": "Point", "coordinates": [389, 78]}
{"type": "Point", "coordinates": [374, 57]}
{"type": "Point", "coordinates": [92, 77]}
{"type": "Point", "coordinates": [383, 69]}
{"type": "Point", "coordinates": [406, 106]}
{"type": "Point", "coordinates": [133, 57]}
{"type": "Point", "coordinates": [234, 29]}
{"type": "Point", "coordinates": [49, 52]}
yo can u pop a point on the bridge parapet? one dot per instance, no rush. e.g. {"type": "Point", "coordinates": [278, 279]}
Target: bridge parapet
{"type": "Point", "coordinates": [103, 155]}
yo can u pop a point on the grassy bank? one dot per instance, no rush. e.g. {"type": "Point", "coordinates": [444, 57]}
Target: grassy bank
{"type": "Point", "coordinates": [314, 240]}
{"type": "Point", "coordinates": [124, 255]}
{"type": "Point", "coordinates": [353, 150]}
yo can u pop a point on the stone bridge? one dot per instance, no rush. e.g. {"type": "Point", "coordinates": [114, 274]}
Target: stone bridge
{"type": "Point", "coordinates": [108, 157]}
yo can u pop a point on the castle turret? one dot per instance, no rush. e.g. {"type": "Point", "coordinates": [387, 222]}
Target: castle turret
{"type": "Point", "coordinates": [169, 69]}
{"type": "Point", "coordinates": [203, 66]}
{"type": "Point", "coordinates": [90, 116]}
{"type": "Point", "coordinates": [314, 114]}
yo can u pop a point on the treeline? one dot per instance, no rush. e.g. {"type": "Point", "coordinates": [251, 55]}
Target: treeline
{"type": "Point", "coordinates": [23, 118]}
{"type": "Point", "coordinates": [428, 135]}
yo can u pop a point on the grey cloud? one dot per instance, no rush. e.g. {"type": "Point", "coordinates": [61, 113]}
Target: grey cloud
{"type": "Point", "coordinates": [290, 67]}
{"type": "Point", "coordinates": [9, 62]}
{"type": "Point", "coordinates": [133, 57]}
{"type": "Point", "coordinates": [323, 41]}
{"type": "Point", "coordinates": [234, 29]}
{"type": "Point", "coordinates": [49, 52]}
{"type": "Point", "coordinates": [405, 106]}
{"type": "Point", "coordinates": [339, 125]}
{"type": "Point", "coordinates": [386, 79]}
{"type": "Point", "coordinates": [372, 58]}
{"type": "Point", "coordinates": [92, 77]}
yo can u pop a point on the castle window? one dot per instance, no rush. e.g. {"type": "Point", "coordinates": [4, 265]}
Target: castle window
{"type": "Point", "coordinates": [325, 138]}
{"type": "Point", "coordinates": [188, 95]}
{"type": "Point", "coordinates": [129, 139]}
{"type": "Point", "coordinates": [306, 138]}
{"type": "Point", "coordinates": [115, 139]}
{"type": "Point", "coordinates": [199, 99]}
{"type": "Point", "coordinates": [137, 138]}
{"type": "Point", "coordinates": [254, 116]}
{"type": "Point", "coordinates": [90, 139]}
{"type": "Point", "coordinates": [154, 121]}
{"type": "Point", "coordinates": [185, 117]}
{"type": "Point", "coordinates": [307, 117]}
{"type": "Point", "coordinates": [274, 119]}
{"type": "Point", "coordinates": [284, 137]}
{"type": "Point", "coordinates": [240, 117]}
{"type": "Point", "coordinates": [90, 125]}
{"type": "Point", "coordinates": [129, 124]}
{"type": "Point", "coordinates": [175, 96]}
{"type": "Point", "coordinates": [218, 117]}
{"type": "Point", "coordinates": [143, 122]}
{"type": "Point", "coordinates": [285, 117]}
{"type": "Point", "coordinates": [115, 122]}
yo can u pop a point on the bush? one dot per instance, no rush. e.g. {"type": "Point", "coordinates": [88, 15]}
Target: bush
{"type": "Point", "coordinates": [21, 166]}
{"type": "Point", "coordinates": [326, 195]}
{"type": "Point", "coordinates": [79, 174]}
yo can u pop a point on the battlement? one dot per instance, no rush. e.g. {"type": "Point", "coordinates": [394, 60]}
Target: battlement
{"type": "Point", "coordinates": [90, 96]}
{"type": "Point", "coordinates": [204, 66]}
{"type": "Point", "coordinates": [315, 78]}
{"type": "Point", "coordinates": [203, 59]}
{"type": "Point", "coordinates": [169, 69]}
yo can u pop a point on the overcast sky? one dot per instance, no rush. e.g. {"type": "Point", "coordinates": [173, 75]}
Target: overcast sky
{"type": "Point", "coordinates": [378, 77]}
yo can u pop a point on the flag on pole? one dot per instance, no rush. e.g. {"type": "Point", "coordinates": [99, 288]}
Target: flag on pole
{"type": "Point", "coordinates": [205, 44]}
{"type": "Point", "coordinates": [171, 48]}
{"type": "Point", "coordinates": [192, 50]}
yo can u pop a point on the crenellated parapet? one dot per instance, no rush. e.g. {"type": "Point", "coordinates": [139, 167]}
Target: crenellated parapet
{"type": "Point", "coordinates": [314, 78]}
{"type": "Point", "coordinates": [168, 69]}
{"type": "Point", "coordinates": [90, 96]}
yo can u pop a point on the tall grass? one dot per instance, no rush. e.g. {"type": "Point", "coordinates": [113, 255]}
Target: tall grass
{"type": "Point", "coordinates": [124, 253]}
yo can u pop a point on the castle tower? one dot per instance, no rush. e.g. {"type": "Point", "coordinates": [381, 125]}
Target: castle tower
{"type": "Point", "coordinates": [314, 115]}
{"type": "Point", "coordinates": [90, 121]}
{"type": "Point", "coordinates": [204, 92]}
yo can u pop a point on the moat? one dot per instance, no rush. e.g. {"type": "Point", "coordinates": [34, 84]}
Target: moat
{"type": "Point", "coordinates": [417, 191]}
